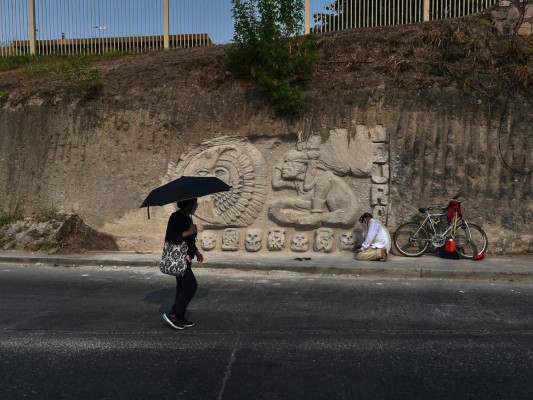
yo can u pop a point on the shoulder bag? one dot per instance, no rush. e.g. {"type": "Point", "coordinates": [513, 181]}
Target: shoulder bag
{"type": "Point", "coordinates": [174, 259]}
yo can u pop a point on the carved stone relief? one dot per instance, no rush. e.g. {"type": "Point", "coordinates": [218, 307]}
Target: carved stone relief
{"type": "Point", "coordinates": [323, 240]}
{"type": "Point", "coordinates": [230, 239]}
{"type": "Point", "coordinates": [237, 163]}
{"type": "Point", "coordinates": [253, 239]}
{"type": "Point", "coordinates": [321, 197]}
{"type": "Point", "coordinates": [276, 239]}
{"type": "Point", "coordinates": [347, 241]}
{"type": "Point", "coordinates": [379, 196]}
{"type": "Point", "coordinates": [317, 189]}
{"type": "Point", "coordinates": [300, 242]}
{"type": "Point", "coordinates": [208, 240]}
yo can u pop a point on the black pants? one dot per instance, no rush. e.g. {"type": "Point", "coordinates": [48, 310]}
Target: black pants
{"type": "Point", "coordinates": [186, 286]}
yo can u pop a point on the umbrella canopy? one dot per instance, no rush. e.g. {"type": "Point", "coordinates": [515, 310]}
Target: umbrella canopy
{"type": "Point", "coordinates": [184, 188]}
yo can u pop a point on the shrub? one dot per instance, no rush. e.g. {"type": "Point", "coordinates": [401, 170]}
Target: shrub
{"type": "Point", "coordinates": [267, 50]}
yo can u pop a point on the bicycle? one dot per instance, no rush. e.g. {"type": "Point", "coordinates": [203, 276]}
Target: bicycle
{"type": "Point", "coordinates": [412, 239]}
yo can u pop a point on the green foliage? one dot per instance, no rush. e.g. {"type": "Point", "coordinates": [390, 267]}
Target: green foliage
{"type": "Point", "coordinates": [3, 95]}
{"type": "Point", "coordinates": [8, 218]}
{"type": "Point", "coordinates": [46, 215]}
{"type": "Point", "coordinates": [82, 77]}
{"type": "Point", "coordinates": [35, 234]}
{"type": "Point", "coordinates": [76, 69]}
{"type": "Point", "coordinates": [267, 49]}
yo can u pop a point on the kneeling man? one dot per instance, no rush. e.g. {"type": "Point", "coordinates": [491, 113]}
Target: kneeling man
{"type": "Point", "coordinates": [377, 243]}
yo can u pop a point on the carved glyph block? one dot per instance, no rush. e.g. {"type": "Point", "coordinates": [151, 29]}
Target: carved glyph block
{"type": "Point", "coordinates": [276, 239]}
{"type": "Point", "coordinates": [380, 173]}
{"type": "Point", "coordinates": [380, 153]}
{"type": "Point", "coordinates": [380, 212]}
{"type": "Point", "coordinates": [346, 241]}
{"type": "Point", "coordinates": [208, 240]}
{"type": "Point", "coordinates": [253, 239]}
{"type": "Point", "coordinates": [300, 242]}
{"type": "Point", "coordinates": [230, 240]}
{"type": "Point", "coordinates": [379, 195]}
{"type": "Point", "coordinates": [323, 240]}
{"type": "Point", "coordinates": [378, 134]}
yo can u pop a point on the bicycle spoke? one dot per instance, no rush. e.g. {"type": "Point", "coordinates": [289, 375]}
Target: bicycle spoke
{"type": "Point", "coordinates": [411, 239]}
{"type": "Point", "coordinates": [470, 240]}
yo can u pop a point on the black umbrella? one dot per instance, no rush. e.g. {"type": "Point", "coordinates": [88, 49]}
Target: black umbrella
{"type": "Point", "coordinates": [184, 188]}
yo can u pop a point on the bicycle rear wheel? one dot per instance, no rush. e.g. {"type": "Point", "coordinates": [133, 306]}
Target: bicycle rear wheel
{"type": "Point", "coordinates": [411, 239]}
{"type": "Point", "coordinates": [470, 240]}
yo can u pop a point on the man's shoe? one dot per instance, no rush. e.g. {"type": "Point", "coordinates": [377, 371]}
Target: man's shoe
{"type": "Point", "coordinates": [173, 321]}
{"type": "Point", "coordinates": [187, 324]}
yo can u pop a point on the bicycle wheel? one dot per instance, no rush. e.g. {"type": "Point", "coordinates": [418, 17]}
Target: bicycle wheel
{"type": "Point", "coordinates": [470, 240]}
{"type": "Point", "coordinates": [411, 239]}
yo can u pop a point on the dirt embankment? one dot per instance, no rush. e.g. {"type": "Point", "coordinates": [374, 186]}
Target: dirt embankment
{"type": "Point", "coordinates": [437, 88]}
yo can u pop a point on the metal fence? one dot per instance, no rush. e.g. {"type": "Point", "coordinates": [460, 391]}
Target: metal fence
{"type": "Point", "coordinates": [98, 26]}
{"type": "Point", "coordinates": [347, 14]}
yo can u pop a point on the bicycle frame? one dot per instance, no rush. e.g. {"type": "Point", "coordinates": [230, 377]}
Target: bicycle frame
{"type": "Point", "coordinates": [430, 221]}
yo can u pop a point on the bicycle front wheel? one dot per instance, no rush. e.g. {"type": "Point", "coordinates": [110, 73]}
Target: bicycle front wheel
{"type": "Point", "coordinates": [470, 240]}
{"type": "Point", "coordinates": [411, 239]}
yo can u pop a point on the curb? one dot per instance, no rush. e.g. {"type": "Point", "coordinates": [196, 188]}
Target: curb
{"type": "Point", "coordinates": [417, 268]}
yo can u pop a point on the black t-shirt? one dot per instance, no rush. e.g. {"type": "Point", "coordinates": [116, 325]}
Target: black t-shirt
{"type": "Point", "coordinates": [177, 224]}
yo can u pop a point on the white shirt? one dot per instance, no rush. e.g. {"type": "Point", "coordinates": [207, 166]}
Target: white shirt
{"type": "Point", "coordinates": [378, 236]}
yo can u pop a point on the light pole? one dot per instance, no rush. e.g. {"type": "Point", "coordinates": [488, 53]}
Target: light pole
{"type": "Point", "coordinates": [100, 28]}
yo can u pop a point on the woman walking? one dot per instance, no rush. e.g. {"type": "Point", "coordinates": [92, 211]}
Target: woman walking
{"type": "Point", "coordinates": [180, 228]}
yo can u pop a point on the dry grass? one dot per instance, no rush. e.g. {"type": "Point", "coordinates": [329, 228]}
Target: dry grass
{"type": "Point", "coordinates": [468, 52]}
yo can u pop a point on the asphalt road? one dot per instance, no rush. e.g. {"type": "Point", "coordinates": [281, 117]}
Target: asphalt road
{"type": "Point", "coordinates": [96, 333]}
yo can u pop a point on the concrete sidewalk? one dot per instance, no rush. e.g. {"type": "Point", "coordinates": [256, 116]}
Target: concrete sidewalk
{"type": "Point", "coordinates": [511, 267]}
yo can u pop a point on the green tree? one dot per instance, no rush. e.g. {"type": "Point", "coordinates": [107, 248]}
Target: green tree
{"type": "Point", "coordinates": [268, 49]}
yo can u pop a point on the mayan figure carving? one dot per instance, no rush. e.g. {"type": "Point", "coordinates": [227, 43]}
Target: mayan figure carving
{"type": "Point", "coordinates": [237, 163]}
{"type": "Point", "coordinates": [321, 196]}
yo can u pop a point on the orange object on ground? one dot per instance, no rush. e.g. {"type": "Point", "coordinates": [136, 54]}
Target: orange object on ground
{"type": "Point", "coordinates": [450, 245]}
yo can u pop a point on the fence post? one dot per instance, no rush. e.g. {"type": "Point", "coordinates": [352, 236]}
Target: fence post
{"type": "Point", "coordinates": [31, 25]}
{"type": "Point", "coordinates": [307, 16]}
{"type": "Point", "coordinates": [426, 10]}
{"type": "Point", "coordinates": [166, 38]}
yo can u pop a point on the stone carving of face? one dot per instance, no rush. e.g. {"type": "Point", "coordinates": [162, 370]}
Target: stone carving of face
{"type": "Point", "coordinates": [252, 240]}
{"type": "Point", "coordinates": [347, 241]}
{"type": "Point", "coordinates": [230, 239]}
{"type": "Point", "coordinates": [291, 169]}
{"type": "Point", "coordinates": [299, 242]}
{"type": "Point", "coordinates": [323, 240]}
{"type": "Point", "coordinates": [276, 239]}
{"type": "Point", "coordinates": [208, 240]}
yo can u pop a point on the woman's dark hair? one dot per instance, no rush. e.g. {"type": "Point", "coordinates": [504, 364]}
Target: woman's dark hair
{"type": "Point", "coordinates": [185, 203]}
{"type": "Point", "coordinates": [365, 215]}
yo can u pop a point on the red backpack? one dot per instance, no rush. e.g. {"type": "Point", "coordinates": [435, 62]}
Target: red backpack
{"type": "Point", "coordinates": [453, 206]}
